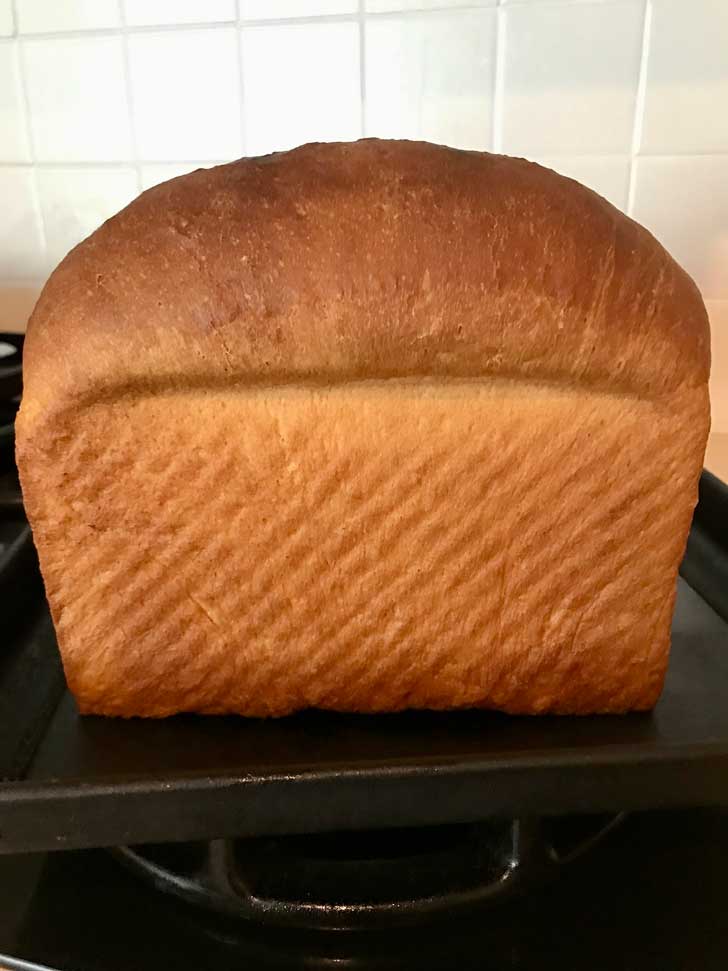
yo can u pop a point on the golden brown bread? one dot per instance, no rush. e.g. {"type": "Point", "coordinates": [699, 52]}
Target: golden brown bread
{"type": "Point", "coordinates": [364, 427]}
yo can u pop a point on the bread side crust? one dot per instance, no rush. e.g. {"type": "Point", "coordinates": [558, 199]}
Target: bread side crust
{"type": "Point", "coordinates": [365, 547]}
{"type": "Point", "coordinates": [261, 402]}
{"type": "Point", "coordinates": [373, 259]}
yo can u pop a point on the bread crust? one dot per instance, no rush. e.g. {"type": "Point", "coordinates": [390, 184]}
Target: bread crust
{"type": "Point", "coordinates": [364, 427]}
{"type": "Point", "coordinates": [361, 260]}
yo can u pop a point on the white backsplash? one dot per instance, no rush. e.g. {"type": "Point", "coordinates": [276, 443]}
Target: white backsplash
{"type": "Point", "coordinates": [100, 99]}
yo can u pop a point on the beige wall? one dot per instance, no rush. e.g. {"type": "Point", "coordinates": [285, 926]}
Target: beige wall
{"type": "Point", "coordinates": [717, 457]}
{"type": "Point", "coordinates": [16, 304]}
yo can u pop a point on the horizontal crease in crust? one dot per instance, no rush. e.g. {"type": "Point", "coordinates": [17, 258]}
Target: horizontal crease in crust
{"type": "Point", "coordinates": [256, 384]}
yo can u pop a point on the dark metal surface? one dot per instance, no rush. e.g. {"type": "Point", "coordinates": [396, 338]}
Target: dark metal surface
{"type": "Point", "coordinates": [705, 565]}
{"type": "Point", "coordinates": [366, 879]}
{"type": "Point", "coordinates": [11, 366]}
{"type": "Point", "coordinates": [78, 782]}
{"type": "Point", "coordinates": [11, 385]}
{"type": "Point", "coordinates": [652, 897]}
{"type": "Point", "coordinates": [66, 782]}
{"type": "Point", "coordinates": [31, 679]}
{"type": "Point", "coordinates": [103, 782]}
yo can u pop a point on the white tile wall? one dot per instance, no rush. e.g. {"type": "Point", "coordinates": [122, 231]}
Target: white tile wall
{"type": "Point", "coordinates": [21, 235]}
{"type": "Point", "coordinates": [7, 22]}
{"type": "Point", "coordinates": [75, 201]}
{"type": "Point", "coordinates": [275, 9]}
{"type": "Point", "coordinates": [163, 171]}
{"type": "Point", "coordinates": [14, 146]}
{"type": "Point", "coordinates": [570, 77]}
{"type": "Point", "coordinates": [185, 89]}
{"type": "Point", "coordinates": [77, 99]}
{"type": "Point", "coordinates": [379, 6]}
{"type": "Point", "coordinates": [42, 16]}
{"type": "Point", "coordinates": [606, 174]}
{"type": "Point", "coordinates": [140, 13]}
{"type": "Point", "coordinates": [684, 201]}
{"type": "Point", "coordinates": [301, 83]}
{"type": "Point", "coordinates": [100, 99]}
{"type": "Point", "coordinates": [686, 96]}
{"type": "Point", "coordinates": [432, 78]}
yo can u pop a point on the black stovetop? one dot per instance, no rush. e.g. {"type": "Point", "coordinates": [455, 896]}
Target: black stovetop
{"type": "Point", "coordinates": [653, 895]}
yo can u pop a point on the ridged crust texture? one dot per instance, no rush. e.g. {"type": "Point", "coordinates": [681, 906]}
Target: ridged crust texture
{"type": "Point", "coordinates": [364, 427]}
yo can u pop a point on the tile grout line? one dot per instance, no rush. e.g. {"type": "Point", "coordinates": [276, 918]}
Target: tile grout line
{"type": "Point", "coordinates": [129, 96]}
{"type": "Point", "coordinates": [362, 71]}
{"type": "Point", "coordinates": [80, 34]}
{"type": "Point", "coordinates": [127, 163]}
{"type": "Point", "coordinates": [639, 107]}
{"type": "Point", "coordinates": [498, 79]}
{"type": "Point", "coordinates": [32, 165]}
{"type": "Point", "coordinates": [241, 80]}
{"type": "Point", "coordinates": [25, 99]}
{"type": "Point", "coordinates": [417, 13]}
{"type": "Point", "coordinates": [567, 3]}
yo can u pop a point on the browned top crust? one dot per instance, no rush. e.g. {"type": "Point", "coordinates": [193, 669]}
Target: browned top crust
{"type": "Point", "coordinates": [374, 259]}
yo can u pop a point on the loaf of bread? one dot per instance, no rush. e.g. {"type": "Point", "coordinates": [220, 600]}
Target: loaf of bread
{"type": "Point", "coordinates": [364, 427]}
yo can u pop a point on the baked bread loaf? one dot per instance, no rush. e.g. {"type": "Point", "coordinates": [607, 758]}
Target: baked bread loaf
{"type": "Point", "coordinates": [364, 427]}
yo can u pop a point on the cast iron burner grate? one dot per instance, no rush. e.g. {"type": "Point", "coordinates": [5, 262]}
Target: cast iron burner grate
{"type": "Point", "coordinates": [368, 879]}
